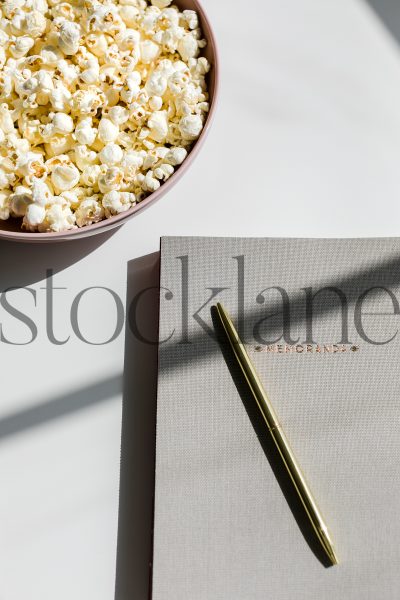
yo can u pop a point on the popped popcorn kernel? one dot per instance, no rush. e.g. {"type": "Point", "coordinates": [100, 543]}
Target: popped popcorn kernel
{"type": "Point", "coordinates": [100, 102]}
{"type": "Point", "coordinates": [89, 211]}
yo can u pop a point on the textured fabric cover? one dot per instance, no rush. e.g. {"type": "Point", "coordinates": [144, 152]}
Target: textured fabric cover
{"type": "Point", "coordinates": [223, 527]}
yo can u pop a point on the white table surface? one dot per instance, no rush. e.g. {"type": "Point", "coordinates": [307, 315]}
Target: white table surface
{"type": "Point", "coordinates": [305, 143]}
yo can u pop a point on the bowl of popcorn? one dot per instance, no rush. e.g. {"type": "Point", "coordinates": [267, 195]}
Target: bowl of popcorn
{"type": "Point", "coordinates": [104, 104]}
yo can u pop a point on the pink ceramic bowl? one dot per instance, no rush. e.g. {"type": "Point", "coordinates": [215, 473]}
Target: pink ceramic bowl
{"type": "Point", "coordinates": [11, 229]}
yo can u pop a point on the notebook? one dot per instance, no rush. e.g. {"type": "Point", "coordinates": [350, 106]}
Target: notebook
{"type": "Point", "coordinates": [320, 320]}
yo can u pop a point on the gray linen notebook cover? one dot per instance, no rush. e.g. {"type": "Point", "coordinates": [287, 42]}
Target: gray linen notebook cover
{"type": "Point", "coordinates": [226, 527]}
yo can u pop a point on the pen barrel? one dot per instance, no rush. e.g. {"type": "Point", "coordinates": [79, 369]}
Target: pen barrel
{"type": "Point", "coordinates": [283, 446]}
{"type": "Point", "coordinates": [299, 482]}
{"type": "Point", "coordinates": [278, 435]}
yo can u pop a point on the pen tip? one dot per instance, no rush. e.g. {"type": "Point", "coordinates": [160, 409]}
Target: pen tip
{"type": "Point", "coordinates": [328, 546]}
{"type": "Point", "coordinates": [333, 556]}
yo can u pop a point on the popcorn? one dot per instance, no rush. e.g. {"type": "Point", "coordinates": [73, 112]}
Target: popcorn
{"type": "Point", "coordinates": [84, 132]}
{"type": "Point", "coordinates": [110, 180]}
{"type": "Point", "coordinates": [19, 201]}
{"type": "Point", "coordinates": [45, 86]}
{"type": "Point", "coordinates": [164, 172]}
{"type": "Point", "coordinates": [20, 145]}
{"type": "Point", "coordinates": [6, 121]}
{"type": "Point", "coordinates": [111, 154]}
{"type": "Point", "coordinates": [129, 39]}
{"type": "Point", "coordinates": [176, 156]}
{"type": "Point", "coordinates": [156, 84]}
{"type": "Point", "coordinates": [64, 177]}
{"type": "Point", "coordinates": [68, 199]}
{"type": "Point", "coordinates": [100, 102]}
{"type": "Point", "coordinates": [132, 161]}
{"type": "Point", "coordinates": [188, 47]}
{"type": "Point", "coordinates": [161, 3]}
{"type": "Point", "coordinates": [158, 125]}
{"type": "Point", "coordinates": [118, 115]}
{"type": "Point", "coordinates": [21, 46]}
{"type": "Point", "coordinates": [4, 204]}
{"type": "Point", "coordinates": [57, 218]}
{"type": "Point", "coordinates": [60, 97]}
{"type": "Point", "coordinates": [96, 43]}
{"type": "Point", "coordinates": [89, 211]}
{"type": "Point", "coordinates": [155, 103]}
{"type": "Point", "coordinates": [59, 144]}
{"type": "Point", "coordinates": [63, 10]}
{"type": "Point", "coordinates": [3, 179]}
{"type": "Point", "coordinates": [150, 160]}
{"type": "Point", "coordinates": [69, 37]}
{"type": "Point", "coordinates": [190, 127]}
{"type": "Point", "coordinates": [41, 194]}
{"type": "Point", "coordinates": [191, 18]}
{"type": "Point", "coordinates": [117, 202]}
{"type": "Point", "coordinates": [84, 156]}
{"type": "Point", "coordinates": [90, 75]}
{"type": "Point", "coordinates": [62, 123]}
{"type": "Point", "coordinates": [90, 175]}
{"type": "Point", "coordinates": [149, 51]}
{"type": "Point", "coordinates": [86, 102]}
{"type": "Point", "coordinates": [108, 131]}
{"type": "Point", "coordinates": [34, 215]}
{"type": "Point", "coordinates": [51, 55]}
{"type": "Point", "coordinates": [129, 15]}
{"type": "Point", "coordinates": [67, 71]}
{"type": "Point", "coordinates": [40, 5]}
{"type": "Point", "coordinates": [34, 24]}
{"type": "Point", "coordinates": [30, 164]}
{"type": "Point", "coordinates": [148, 182]}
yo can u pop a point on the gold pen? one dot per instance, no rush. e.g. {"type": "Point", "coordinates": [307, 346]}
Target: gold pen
{"type": "Point", "coordinates": [278, 435]}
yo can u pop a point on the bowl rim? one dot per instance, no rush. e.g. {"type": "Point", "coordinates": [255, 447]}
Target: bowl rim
{"type": "Point", "coordinates": [117, 220]}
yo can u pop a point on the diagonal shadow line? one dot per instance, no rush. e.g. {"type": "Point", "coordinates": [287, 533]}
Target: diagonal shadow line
{"type": "Point", "coordinates": [61, 406]}
{"type": "Point", "coordinates": [389, 13]}
{"type": "Point", "coordinates": [385, 273]}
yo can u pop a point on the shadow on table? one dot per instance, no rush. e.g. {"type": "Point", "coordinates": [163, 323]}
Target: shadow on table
{"type": "Point", "coordinates": [22, 264]}
{"type": "Point", "coordinates": [136, 501]}
{"type": "Point", "coordinates": [60, 406]}
{"type": "Point", "coordinates": [389, 13]}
